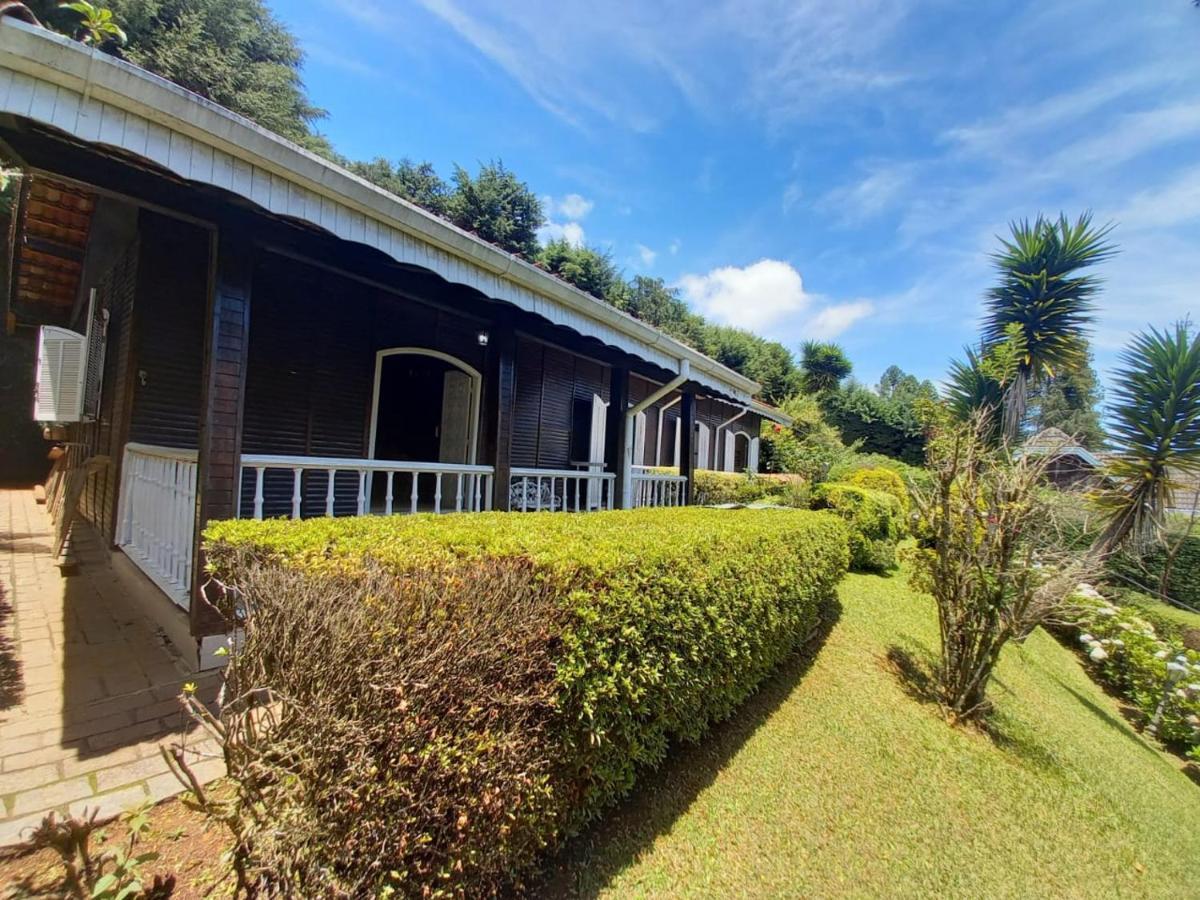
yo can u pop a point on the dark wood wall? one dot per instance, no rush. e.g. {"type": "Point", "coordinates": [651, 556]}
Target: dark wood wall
{"type": "Point", "coordinates": [549, 380]}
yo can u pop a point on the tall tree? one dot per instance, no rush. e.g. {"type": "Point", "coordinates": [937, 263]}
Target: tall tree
{"type": "Point", "coordinates": [823, 366]}
{"type": "Point", "coordinates": [1155, 433]}
{"type": "Point", "coordinates": [234, 52]}
{"type": "Point", "coordinates": [415, 182]}
{"type": "Point", "coordinates": [1069, 401]}
{"type": "Point", "coordinates": [497, 206]}
{"type": "Point", "coordinates": [657, 304]}
{"type": "Point", "coordinates": [1042, 292]}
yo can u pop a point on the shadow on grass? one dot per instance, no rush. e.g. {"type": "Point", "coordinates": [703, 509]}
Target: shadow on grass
{"type": "Point", "coordinates": [588, 862]}
{"type": "Point", "coordinates": [914, 667]}
{"type": "Point", "coordinates": [12, 684]}
{"type": "Point", "coordinates": [1131, 714]}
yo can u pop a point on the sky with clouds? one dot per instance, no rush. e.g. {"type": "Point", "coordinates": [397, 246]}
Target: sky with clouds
{"type": "Point", "coordinates": [836, 170]}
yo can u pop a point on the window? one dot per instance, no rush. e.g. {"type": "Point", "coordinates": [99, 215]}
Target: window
{"type": "Point", "coordinates": [581, 431]}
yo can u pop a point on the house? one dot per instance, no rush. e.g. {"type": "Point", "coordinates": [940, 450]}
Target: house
{"type": "Point", "coordinates": [228, 325]}
{"type": "Point", "coordinates": [1071, 466]}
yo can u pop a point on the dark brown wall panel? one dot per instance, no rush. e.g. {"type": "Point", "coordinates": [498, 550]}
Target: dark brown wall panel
{"type": "Point", "coordinates": [172, 296]}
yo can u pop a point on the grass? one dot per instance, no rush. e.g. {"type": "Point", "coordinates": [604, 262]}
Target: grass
{"type": "Point", "coordinates": [837, 779]}
{"type": "Point", "coordinates": [1183, 618]}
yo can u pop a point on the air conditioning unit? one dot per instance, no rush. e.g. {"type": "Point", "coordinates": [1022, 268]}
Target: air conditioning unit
{"type": "Point", "coordinates": [70, 367]}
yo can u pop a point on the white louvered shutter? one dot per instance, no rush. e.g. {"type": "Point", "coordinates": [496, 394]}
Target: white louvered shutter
{"type": "Point", "coordinates": [639, 439]}
{"type": "Point", "coordinates": [701, 446]}
{"type": "Point", "coordinates": [752, 461]}
{"type": "Point", "coordinates": [730, 451]}
{"type": "Point", "coordinates": [97, 334]}
{"type": "Point", "coordinates": [61, 371]}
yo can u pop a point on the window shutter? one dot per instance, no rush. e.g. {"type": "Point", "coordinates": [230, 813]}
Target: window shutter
{"type": "Point", "coordinates": [61, 371]}
{"type": "Point", "coordinates": [97, 334]}
{"type": "Point", "coordinates": [752, 462]}
{"type": "Point", "coordinates": [701, 446]}
{"type": "Point", "coordinates": [639, 439]}
{"type": "Point", "coordinates": [730, 451]}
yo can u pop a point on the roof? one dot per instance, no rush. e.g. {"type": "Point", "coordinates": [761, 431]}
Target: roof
{"type": "Point", "coordinates": [99, 99]}
{"type": "Point", "coordinates": [1056, 442]}
{"type": "Point", "coordinates": [54, 221]}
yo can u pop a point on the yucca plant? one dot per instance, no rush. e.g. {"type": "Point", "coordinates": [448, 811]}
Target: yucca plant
{"type": "Point", "coordinates": [970, 388]}
{"type": "Point", "coordinates": [1042, 292]}
{"type": "Point", "coordinates": [1156, 432]}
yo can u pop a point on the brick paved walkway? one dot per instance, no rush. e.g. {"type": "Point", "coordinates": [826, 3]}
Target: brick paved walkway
{"type": "Point", "coordinates": [87, 686]}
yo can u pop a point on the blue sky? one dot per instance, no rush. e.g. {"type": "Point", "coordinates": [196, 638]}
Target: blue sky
{"type": "Point", "coordinates": [832, 169]}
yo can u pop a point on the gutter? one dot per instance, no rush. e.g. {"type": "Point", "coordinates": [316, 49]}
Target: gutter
{"type": "Point", "coordinates": [630, 414]}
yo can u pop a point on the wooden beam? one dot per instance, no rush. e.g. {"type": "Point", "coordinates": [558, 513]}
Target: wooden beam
{"type": "Point", "coordinates": [226, 347]}
{"type": "Point", "coordinates": [614, 432]}
{"type": "Point", "coordinates": [500, 389]}
{"type": "Point", "coordinates": [687, 434]}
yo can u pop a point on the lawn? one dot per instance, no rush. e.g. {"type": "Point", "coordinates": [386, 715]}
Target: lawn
{"type": "Point", "coordinates": [836, 780]}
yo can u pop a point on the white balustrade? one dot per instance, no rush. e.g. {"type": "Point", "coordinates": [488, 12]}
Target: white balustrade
{"type": "Point", "coordinates": [157, 515]}
{"type": "Point", "coordinates": [448, 487]}
{"type": "Point", "coordinates": [652, 488]}
{"type": "Point", "coordinates": [566, 490]}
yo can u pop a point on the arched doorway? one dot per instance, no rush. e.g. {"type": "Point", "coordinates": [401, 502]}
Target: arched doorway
{"type": "Point", "coordinates": [741, 451]}
{"type": "Point", "coordinates": [425, 409]}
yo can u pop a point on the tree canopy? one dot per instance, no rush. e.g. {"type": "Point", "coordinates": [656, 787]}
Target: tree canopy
{"type": "Point", "coordinates": [234, 52]}
{"type": "Point", "coordinates": [823, 365]}
{"type": "Point", "coordinates": [497, 206]}
{"type": "Point", "coordinates": [1070, 402]}
{"type": "Point", "coordinates": [416, 182]}
{"type": "Point", "coordinates": [588, 269]}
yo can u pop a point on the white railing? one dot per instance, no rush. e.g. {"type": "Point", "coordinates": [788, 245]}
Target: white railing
{"type": "Point", "coordinates": [566, 490]}
{"type": "Point", "coordinates": [158, 515]}
{"type": "Point", "coordinates": [658, 488]}
{"type": "Point", "coordinates": [311, 486]}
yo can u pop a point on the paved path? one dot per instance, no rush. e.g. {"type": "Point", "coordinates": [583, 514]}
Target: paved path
{"type": "Point", "coordinates": [87, 686]}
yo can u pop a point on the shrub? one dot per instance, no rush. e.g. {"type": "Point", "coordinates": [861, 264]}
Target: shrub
{"type": "Point", "coordinates": [883, 480]}
{"type": "Point", "coordinates": [875, 519]}
{"type": "Point", "coordinates": [719, 488]}
{"type": "Point", "coordinates": [1127, 652]}
{"type": "Point", "coordinates": [914, 477]}
{"type": "Point", "coordinates": [1144, 569]}
{"type": "Point", "coordinates": [456, 693]}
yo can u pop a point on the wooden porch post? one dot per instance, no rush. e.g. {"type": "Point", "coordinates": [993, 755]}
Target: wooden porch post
{"type": "Point", "coordinates": [224, 385]}
{"type": "Point", "coordinates": [614, 431]}
{"type": "Point", "coordinates": [500, 385]}
{"type": "Point", "coordinates": [687, 432]}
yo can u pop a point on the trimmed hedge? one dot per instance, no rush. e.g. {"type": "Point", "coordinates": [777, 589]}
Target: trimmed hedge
{"type": "Point", "coordinates": [656, 623]}
{"type": "Point", "coordinates": [875, 518]}
{"type": "Point", "coordinates": [711, 488]}
{"type": "Point", "coordinates": [1147, 566]}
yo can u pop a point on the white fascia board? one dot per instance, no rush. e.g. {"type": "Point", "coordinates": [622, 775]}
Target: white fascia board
{"type": "Point", "coordinates": [99, 99]}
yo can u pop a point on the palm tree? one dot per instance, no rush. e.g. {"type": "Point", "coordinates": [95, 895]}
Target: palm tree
{"type": "Point", "coordinates": [1156, 432]}
{"type": "Point", "coordinates": [971, 389]}
{"type": "Point", "coordinates": [823, 366]}
{"type": "Point", "coordinates": [1041, 292]}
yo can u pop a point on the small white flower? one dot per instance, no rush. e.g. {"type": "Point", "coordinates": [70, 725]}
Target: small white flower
{"type": "Point", "coordinates": [1106, 611]}
{"type": "Point", "coordinates": [1125, 626]}
{"type": "Point", "coordinates": [1086, 638]}
{"type": "Point", "coordinates": [1098, 654]}
{"type": "Point", "coordinates": [1162, 654]}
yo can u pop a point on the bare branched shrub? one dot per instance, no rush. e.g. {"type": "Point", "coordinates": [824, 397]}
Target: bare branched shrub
{"type": "Point", "coordinates": [379, 729]}
{"type": "Point", "coordinates": [999, 563]}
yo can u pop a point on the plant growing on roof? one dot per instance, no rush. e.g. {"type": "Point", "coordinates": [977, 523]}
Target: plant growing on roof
{"type": "Point", "coordinates": [1041, 291]}
{"type": "Point", "coordinates": [96, 24]}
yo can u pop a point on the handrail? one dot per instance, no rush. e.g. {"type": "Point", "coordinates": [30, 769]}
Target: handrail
{"type": "Point", "coordinates": [532, 489]}
{"type": "Point", "coordinates": [271, 461]}
{"type": "Point", "coordinates": [526, 472]}
{"type": "Point", "coordinates": [164, 452]}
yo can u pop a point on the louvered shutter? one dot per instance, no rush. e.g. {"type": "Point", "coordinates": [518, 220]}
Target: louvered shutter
{"type": "Point", "coordinates": [639, 439]}
{"type": "Point", "coordinates": [752, 462]}
{"type": "Point", "coordinates": [61, 370]}
{"type": "Point", "coordinates": [730, 452]}
{"type": "Point", "coordinates": [701, 446]}
{"type": "Point", "coordinates": [93, 379]}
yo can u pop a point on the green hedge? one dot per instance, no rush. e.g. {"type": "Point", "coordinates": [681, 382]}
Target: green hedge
{"type": "Point", "coordinates": [1144, 569]}
{"type": "Point", "coordinates": [876, 522]}
{"type": "Point", "coordinates": [659, 623]}
{"type": "Point", "coordinates": [717, 488]}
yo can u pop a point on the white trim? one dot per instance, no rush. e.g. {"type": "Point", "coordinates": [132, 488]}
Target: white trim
{"type": "Point", "coordinates": [476, 392]}
{"type": "Point", "coordinates": [99, 99]}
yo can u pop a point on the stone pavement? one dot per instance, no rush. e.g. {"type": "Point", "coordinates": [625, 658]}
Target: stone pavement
{"type": "Point", "coordinates": [88, 687]}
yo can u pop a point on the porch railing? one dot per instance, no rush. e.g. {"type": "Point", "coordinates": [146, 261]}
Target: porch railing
{"type": "Point", "coordinates": [658, 488]}
{"type": "Point", "coordinates": [565, 490]}
{"type": "Point", "coordinates": [284, 485]}
{"type": "Point", "coordinates": [157, 510]}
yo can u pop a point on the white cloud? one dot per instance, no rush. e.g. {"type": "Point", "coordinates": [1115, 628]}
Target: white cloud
{"type": "Point", "coordinates": [791, 195]}
{"type": "Point", "coordinates": [833, 320]}
{"type": "Point", "coordinates": [646, 255]}
{"type": "Point", "coordinates": [754, 297]}
{"type": "Point", "coordinates": [571, 232]}
{"type": "Point", "coordinates": [574, 206]}
{"type": "Point", "coordinates": [1170, 204]}
{"type": "Point", "coordinates": [883, 186]}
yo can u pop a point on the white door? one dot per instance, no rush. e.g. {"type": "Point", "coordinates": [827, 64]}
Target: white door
{"type": "Point", "coordinates": [639, 439]}
{"type": "Point", "coordinates": [752, 456]}
{"type": "Point", "coordinates": [701, 446]}
{"type": "Point", "coordinates": [454, 444]}
{"type": "Point", "coordinates": [730, 451]}
{"type": "Point", "coordinates": [595, 492]}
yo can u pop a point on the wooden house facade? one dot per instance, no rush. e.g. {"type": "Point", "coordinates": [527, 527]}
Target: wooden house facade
{"type": "Point", "coordinates": [264, 334]}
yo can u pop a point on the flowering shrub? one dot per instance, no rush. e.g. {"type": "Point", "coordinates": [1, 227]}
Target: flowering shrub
{"type": "Point", "coordinates": [1130, 655]}
{"type": "Point", "coordinates": [456, 693]}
